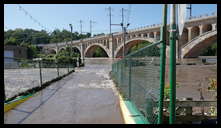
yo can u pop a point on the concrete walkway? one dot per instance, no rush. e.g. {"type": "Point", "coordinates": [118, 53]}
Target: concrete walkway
{"type": "Point", "coordinates": [85, 96]}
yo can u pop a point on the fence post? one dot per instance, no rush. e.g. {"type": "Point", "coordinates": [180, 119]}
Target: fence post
{"type": "Point", "coordinates": [121, 73]}
{"type": "Point", "coordinates": [57, 68]}
{"type": "Point", "coordinates": [129, 79]}
{"type": "Point", "coordinates": [162, 63]}
{"type": "Point", "coordinates": [172, 73]}
{"type": "Point", "coordinates": [68, 66]}
{"type": "Point", "coordinates": [4, 92]}
{"type": "Point", "coordinates": [40, 72]}
{"type": "Point", "coordinates": [149, 109]}
{"type": "Point", "coordinates": [189, 110]}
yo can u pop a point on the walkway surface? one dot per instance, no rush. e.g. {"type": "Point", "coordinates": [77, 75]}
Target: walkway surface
{"type": "Point", "coordinates": [85, 96]}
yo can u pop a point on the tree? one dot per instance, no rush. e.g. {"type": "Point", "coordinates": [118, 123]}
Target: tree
{"type": "Point", "coordinates": [29, 37]}
{"type": "Point", "coordinates": [210, 51]}
{"type": "Point", "coordinates": [138, 46]}
{"type": "Point", "coordinates": [100, 34]}
{"type": "Point", "coordinates": [99, 52]}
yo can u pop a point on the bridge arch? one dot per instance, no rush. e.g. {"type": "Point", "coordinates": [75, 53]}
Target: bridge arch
{"type": "Point", "coordinates": [195, 32]}
{"type": "Point", "coordinates": [129, 44]}
{"type": "Point", "coordinates": [51, 51]}
{"type": "Point", "coordinates": [76, 49]}
{"type": "Point", "coordinates": [151, 35]}
{"type": "Point", "coordinates": [206, 28]}
{"type": "Point", "coordinates": [197, 45]}
{"type": "Point", "coordinates": [60, 49]}
{"type": "Point", "coordinates": [90, 49]}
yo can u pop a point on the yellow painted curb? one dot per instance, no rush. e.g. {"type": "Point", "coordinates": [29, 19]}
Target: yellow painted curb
{"type": "Point", "coordinates": [13, 104]}
{"type": "Point", "coordinates": [125, 112]}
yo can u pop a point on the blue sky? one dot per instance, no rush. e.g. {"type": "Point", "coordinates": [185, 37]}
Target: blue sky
{"type": "Point", "coordinates": [59, 16]}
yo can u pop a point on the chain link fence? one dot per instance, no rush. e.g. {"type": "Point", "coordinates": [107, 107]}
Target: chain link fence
{"type": "Point", "coordinates": [23, 74]}
{"type": "Point", "coordinates": [137, 77]}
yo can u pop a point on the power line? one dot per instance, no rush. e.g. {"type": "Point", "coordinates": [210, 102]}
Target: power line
{"type": "Point", "coordinates": [128, 14]}
{"type": "Point", "coordinates": [110, 10]}
{"type": "Point", "coordinates": [32, 18]}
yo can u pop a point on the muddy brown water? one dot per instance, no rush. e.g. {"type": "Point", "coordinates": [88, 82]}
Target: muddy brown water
{"type": "Point", "coordinates": [193, 78]}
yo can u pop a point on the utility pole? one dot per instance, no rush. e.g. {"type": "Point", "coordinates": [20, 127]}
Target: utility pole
{"type": "Point", "coordinates": [190, 8]}
{"type": "Point", "coordinates": [122, 26]}
{"type": "Point", "coordinates": [81, 26]}
{"type": "Point", "coordinates": [110, 9]}
{"type": "Point", "coordinates": [91, 22]}
{"type": "Point", "coordinates": [172, 73]}
{"type": "Point", "coordinates": [110, 35]}
{"type": "Point", "coordinates": [124, 31]}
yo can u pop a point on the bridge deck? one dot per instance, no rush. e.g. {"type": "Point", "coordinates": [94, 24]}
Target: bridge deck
{"type": "Point", "coordinates": [85, 96]}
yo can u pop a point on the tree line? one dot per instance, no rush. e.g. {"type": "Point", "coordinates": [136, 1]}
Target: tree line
{"type": "Point", "coordinates": [31, 36]}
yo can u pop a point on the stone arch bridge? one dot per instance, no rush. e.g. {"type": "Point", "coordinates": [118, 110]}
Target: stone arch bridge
{"type": "Point", "coordinates": [199, 33]}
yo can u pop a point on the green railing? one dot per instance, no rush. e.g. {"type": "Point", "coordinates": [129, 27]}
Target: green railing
{"type": "Point", "coordinates": [137, 77]}
{"type": "Point", "coordinates": [21, 75]}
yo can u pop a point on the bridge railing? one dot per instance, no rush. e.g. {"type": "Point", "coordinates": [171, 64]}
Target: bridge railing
{"type": "Point", "coordinates": [137, 77]}
{"type": "Point", "coordinates": [21, 75]}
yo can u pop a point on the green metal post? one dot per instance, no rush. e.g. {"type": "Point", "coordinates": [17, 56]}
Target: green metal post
{"type": "Point", "coordinates": [40, 73]}
{"type": "Point", "coordinates": [129, 79]}
{"type": "Point", "coordinates": [57, 68]}
{"type": "Point", "coordinates": [162, 63]}
{"type": "Point", "coordinates": [121, 73]}
{"type": "Point", "coordinates": [4, 93]}
{"type": "Point", "coordinates": [172, 74]}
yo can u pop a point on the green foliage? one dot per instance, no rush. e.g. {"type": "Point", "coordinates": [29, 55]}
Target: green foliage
{"type": "Point", "coordinates": [138, 46]}
{"type": "Point", "coordinates": [24, 64]}
{"type": "Point", "coordinates": [210, 51]}
{"type": "Point", "coordinates": [29, 37]}
{"type": "Point", "coordinates": [62, 57]}
{"type": "Point", "coordinates": [99, 52]}
{"type": "Point", "coordinates": [167, 90]}
{"type": "Point", "coordinates": [212, 84]}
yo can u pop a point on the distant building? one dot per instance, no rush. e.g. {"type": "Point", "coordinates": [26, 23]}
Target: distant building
{"type": "Point", "coordinates": [11, 52]}
{"type": "Point", "coordinates": [15, 51]}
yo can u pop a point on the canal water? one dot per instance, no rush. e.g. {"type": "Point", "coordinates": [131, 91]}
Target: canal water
{"type": "Point", "coordinates": [85, 96]}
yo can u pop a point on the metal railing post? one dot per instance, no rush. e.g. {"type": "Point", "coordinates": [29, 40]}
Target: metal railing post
{"type": "Point", "coordinates": [40, 72]}
{"type": "Point", "coordinates": [57, 68]}
{"type": "Point", "coordinates": [129, 79]}
{"type": "Point", "coordinates": [162, 63]}
{"type": "Point", "coordinates": [4, 93]}
{"type": "Point", "coordinates": [172, 73]}
{"type": "Point", "coordinates": [121, 73]}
